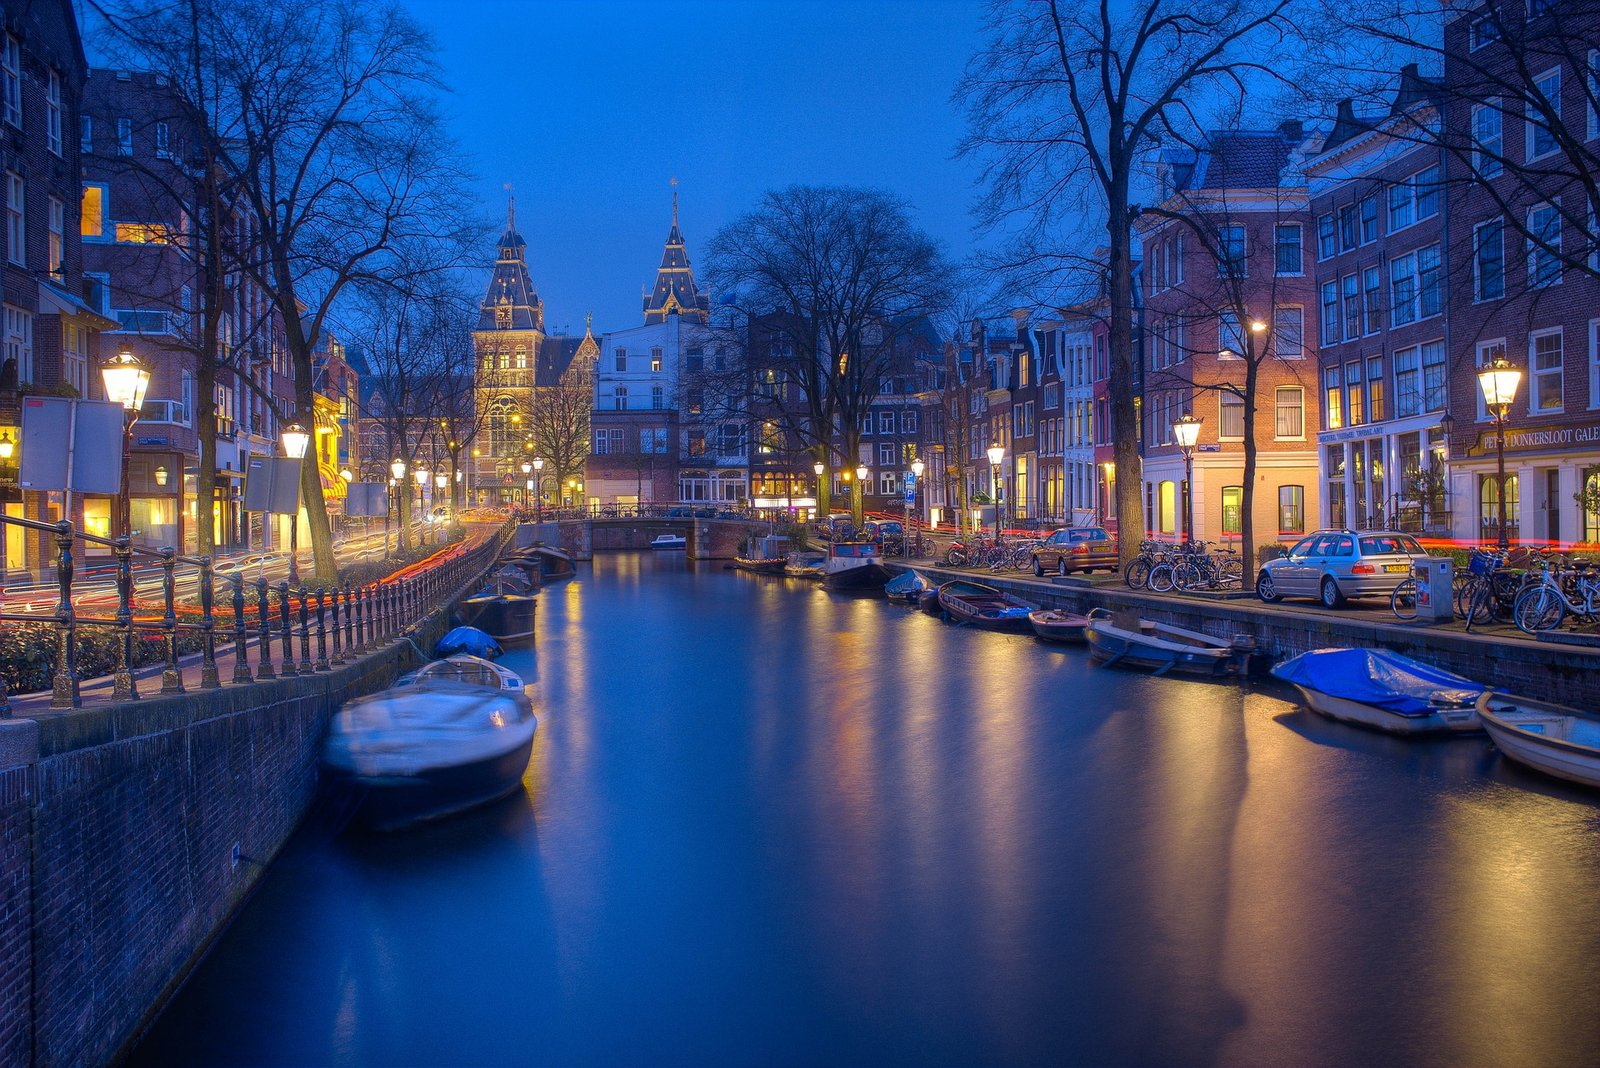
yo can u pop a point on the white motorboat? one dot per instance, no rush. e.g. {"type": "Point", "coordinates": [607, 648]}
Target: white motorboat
{"type": "Point", "coordinates": [670, 541]}
{"type": "Point", "coordinates": [1557, 741]}
{"type": "Point", "coordinates": [1383, 690]}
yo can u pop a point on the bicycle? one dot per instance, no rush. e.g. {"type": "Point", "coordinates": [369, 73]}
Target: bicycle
{"type": "Point", "coordinates": [1544, 605]}
{"type": "Point", "coordinates": [1403, 600]}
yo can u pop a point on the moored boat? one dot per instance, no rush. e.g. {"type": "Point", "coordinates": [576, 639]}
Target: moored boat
{"type": "Point", "coordinates": [853, 565]}
{"type": "Point", "coordinates": [928, 601]}
{"type": "Point", "coordinates": [1055, 625]}
{"type": "Point", "coordinates": [458, 734]}
{"type": "Point", "coordinates": [1558, 741]}
{"type": "Point", "coordinates": [984, 606]}
{"type": "Point", "coordinates": [1384, 690]}
{"type": "Point", "coordinates": [908, 586]}
{"type": "Point", "coordinates": [805, 563]}
{"type": "Point", "coordinates": [469, 640]}
{"type": "Point", "coordinates": [669, 541]}
{"type": "Point", "coordinates": [504, 608]}
{"type": "Point", "coordinates": [1162, 647]}
{"type": "Point", "coordinates": [545, 562]}
{"type": "Point", "coordinates": [764, 556]}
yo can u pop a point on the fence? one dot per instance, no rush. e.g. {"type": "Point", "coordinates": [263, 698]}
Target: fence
{"type": "Point", "coordinates": [331, 626]}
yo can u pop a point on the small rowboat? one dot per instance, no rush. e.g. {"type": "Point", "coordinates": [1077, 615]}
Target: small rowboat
{"type": "Point", "coordinates": [1383, 690]}
{"type": "Point", "coordinates": [984, 606]}
{"type": "Point", "coordinates": [760, 564]}
{"type": "Point", "coordinates": [1055, 625]}
{"type": "Point", "coordinates": [1162, 647]}
{"type": "Point", "coordinates": [1557, 741]}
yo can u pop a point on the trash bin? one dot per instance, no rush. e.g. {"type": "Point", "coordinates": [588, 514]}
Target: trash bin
{"type": "Point", "coordinates": [1434, 578]}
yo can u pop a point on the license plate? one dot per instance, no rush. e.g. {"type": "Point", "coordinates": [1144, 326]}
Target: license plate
{"type": "Point", "coordinates": [1397, 567]}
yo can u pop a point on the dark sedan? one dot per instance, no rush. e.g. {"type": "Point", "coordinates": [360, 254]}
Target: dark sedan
{"type": "Point", "coordinates": [1075, 549]}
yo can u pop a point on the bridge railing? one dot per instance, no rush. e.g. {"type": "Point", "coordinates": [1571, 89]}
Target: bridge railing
{"type": "Point", "coordinates": [332, 625]}
{"type": "Point", "coordinates": [685, 512]}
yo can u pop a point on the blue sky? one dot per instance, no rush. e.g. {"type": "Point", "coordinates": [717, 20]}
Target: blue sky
{"type": "Point", "coordinates": [588, 108]}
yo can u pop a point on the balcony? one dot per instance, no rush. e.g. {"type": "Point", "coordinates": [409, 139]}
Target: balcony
{"type": "Point", "coordinates": [145, 323]}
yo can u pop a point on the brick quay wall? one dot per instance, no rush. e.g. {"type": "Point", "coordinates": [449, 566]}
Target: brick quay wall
{"type": "Point", "coordinates": [1543, 670]}
{"type": "Point", "coordinates": [130, 833]}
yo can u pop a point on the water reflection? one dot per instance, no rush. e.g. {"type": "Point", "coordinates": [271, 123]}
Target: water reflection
{"type": "Point", "coordinates": [769, 824]}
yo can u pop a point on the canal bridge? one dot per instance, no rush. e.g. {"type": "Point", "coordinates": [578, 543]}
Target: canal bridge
{"type": "Point", "coordinates": [709, 533]}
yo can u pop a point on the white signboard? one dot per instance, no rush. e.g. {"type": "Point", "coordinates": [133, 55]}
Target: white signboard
{"type": "Point", "coordinates": [367, 499]}
{"type": "Point", "coordinates": [72, 445]}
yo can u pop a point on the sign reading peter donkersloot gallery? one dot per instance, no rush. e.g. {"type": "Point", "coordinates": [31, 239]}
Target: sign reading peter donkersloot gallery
{"type": "Point", "coordinates": [1555, 437]}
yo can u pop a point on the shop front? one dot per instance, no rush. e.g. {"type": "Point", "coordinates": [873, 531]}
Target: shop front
{"type": "Point", "coordinates": [1389, 475]}
{"type": "Point", "coordinates": [1552, 486]}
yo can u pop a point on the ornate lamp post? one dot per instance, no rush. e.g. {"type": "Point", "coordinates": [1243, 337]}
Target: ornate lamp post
{"type": "Point", "coordinates": [538, 489]}
{"type": "Point", "coordinates": [397, 483]}
{"type": "Point", "coordinates": [917, 467]}
{"type": "Point", "coordinates": [997, 453]}
{"type": "Point", "coordinates": [126, 378]}
{"type": "Point", "coordinates": [1499, 381]}
{"type": "Point", "coordinates": [295, 442]}
{"type": "Point", "coordinates": [527, 469]}
{"type": "Point", "coordinates": [859, 499]}
{"type": "Point", "coordinates": [1187, 432]}
{"type": "Point", "coordinates": [818, 468]}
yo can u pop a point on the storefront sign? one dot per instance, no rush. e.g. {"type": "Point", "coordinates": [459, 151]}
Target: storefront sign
{"type": "Point", "coordinates": [1560, 437]}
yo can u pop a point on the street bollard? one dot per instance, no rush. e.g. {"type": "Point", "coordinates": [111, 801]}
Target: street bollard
{"type": "Point", "coordinates": [306, 667]}
{"type": "Point", "coordinates": [123, 685]}
{"type": "Point", "coordinates": [264, 671]}
{"type": "Point", "coordinates": [209, 677]}
{"type": "Point", "coordinates": [241, 635]}
{"type": "Point", "coordinates": [322, 629]}
{"type": "Point", "coordinates": [64, 684]}
{"type": "Point", "coordinates": [171, 677]}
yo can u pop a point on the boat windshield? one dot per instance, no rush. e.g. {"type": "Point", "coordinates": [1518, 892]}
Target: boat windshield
{"type": "Point", "coordinates": [461, 671]}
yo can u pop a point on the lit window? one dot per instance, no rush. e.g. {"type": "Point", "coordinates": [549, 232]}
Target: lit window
{"type": "Point", "coordinates": [144, 233]}
{"type": "Point", "coordinates": [1290, 411]}
{"type": "Point", "coordinates": [58, 225]}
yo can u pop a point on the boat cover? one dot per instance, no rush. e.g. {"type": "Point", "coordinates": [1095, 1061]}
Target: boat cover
{"type": "Point", "coordinates": [469, 640]}
{"type": "Point", "coordinates": [907, 582]}
{"type": "Point", "coordinates": [1379, 678]}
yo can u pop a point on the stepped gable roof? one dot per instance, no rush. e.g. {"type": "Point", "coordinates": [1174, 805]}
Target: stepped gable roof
{"type": "Point", "coordinates": [511, 302]}
{"type": "Point", "coordinates": [675, 291]}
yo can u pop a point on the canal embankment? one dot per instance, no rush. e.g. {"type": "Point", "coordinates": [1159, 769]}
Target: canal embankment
{"type": "Point", "coordinates": [1550, 671]}
{"type": "Point", "coordinates": [130, 833]}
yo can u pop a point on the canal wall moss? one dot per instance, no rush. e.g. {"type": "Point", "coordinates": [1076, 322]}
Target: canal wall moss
{"type": "Point", "coordinates": [130, 833]}
{"type": "Point", "coordinates": [1542, 670]}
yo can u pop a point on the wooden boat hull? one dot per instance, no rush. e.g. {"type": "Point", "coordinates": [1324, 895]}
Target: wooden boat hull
{"type": "Point", "coordinates": [978, 611]}
{"type": "Point", "coordinates": [760, 566]}
{"type": "Point", "coordinates": [1111, 645]}
{"type": "Point", "coordinates": [868, 576]}
{"type": "Point", "coordinates": [1542, 736]}
{"type": "Point", "coordinates": [1065, 627]}
{"type": "Point", "coordinates": [1450, 720]}
{"type": "Point", "coordinates": [504, 617]}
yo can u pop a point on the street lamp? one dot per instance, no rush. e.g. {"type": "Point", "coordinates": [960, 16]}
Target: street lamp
{"type": "Point", "coordinates": [397, 469]}
{"type": "Point", "coordinates": [997, 453]}
{"type": "Point", "coordinates": [819, 467]}
{"type": "Point", "coordinates": [8, 448]}
{"type": "Point", "coordinates": [295, 442]}
{"type": "Point", "coordinates": [917, 467]}
{"type": "Point", "coordinates": [1187, 431]}
{"type": "Point", "coordinates": [860, 497]}
{"type": "Point", "coordinates": [572, 491]}
{"type": "Point", "coordinates": [527, 469]}
{"type": "Point", "coordinates": [1499, 381]}
{"type": "Point", "coordinates": [538, 489]}
{"type": "Point", "coordinates": [126, 378]}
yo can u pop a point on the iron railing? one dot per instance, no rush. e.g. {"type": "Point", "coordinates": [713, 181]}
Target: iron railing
{"type": "Point", "coordinates": [334, 625]}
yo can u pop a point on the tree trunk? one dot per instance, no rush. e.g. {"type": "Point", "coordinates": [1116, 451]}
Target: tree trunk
{"type": "Point", "coordinates": [1247, 498]}
{"type": "Point", "coordinates": [824, 484]}
{"type": "Point", "coordinates": [1124, 413]}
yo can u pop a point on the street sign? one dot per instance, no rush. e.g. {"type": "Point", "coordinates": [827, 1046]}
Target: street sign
{"type": "Point", "coordinates": [272, 484]}
{"type": "Point", "coordinates": [367, 499]}
{"type": "Point", "coordinates": [911, 487]}
{"type": "Point", "coordinates": [71, 445]}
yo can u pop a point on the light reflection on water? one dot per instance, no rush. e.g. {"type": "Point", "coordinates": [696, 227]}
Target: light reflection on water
{"type": "Point", "coordinates": [768, 824]}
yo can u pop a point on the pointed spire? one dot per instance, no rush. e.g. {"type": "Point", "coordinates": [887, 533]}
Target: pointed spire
{"type": "Point", "coordinates": [675, 292]}
{"type": "Point", "coordinates": [674, 204]}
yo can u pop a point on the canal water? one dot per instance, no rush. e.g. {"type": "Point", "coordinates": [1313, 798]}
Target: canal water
{"type": "Point", "coordinates": [769, 825]}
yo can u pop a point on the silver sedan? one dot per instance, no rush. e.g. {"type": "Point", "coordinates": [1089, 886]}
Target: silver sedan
{"type": "Point", "coordinates": [1332, 565]}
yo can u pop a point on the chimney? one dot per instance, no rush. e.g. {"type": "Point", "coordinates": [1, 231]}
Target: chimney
{"type": "Point", "coordinates": [1293, 130]}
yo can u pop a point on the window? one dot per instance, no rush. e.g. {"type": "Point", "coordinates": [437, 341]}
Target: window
{"type": "Point", "coordinates": [1594, 93]}
{"type": "Point", "coordinates": [620, 394]}
{"type": "Point", "coordinates": [1375, 388]}
{"type": "Point", "coordinates": [885, 453]}
{"type": "Point", "coordinates": [697, 443]}
{"type": "Point", "coordinates": [1435, 390]}
{"type": "Point", "coordinates": [1333, 398]}
{"type": "Point", "coordinates": [1290, 410]}
{"type": "Point", "coordinates": [58, 237]}
{"type": "Point", "coordinates": [124, 137]}
{"type": "Point", "coordinates": [1546, 95]}
{"type": "Point", "coordinates": [888, 483]}
{"type": "Point", "coordinates": [694, 361]}
{"type": "Point", "coordinates": [657, 398]}
{"type": "Point", "coordinates": [655, 358]}
{"type": "Point", "coordinates": [1231, 252]}
{"type": "Point", "coordinates": [16, 220]}
{"type": "Point", "coordinates": [11, 71]}
{"type": "Point", "coordinates": [1544, 360]}
{"type": "Point", "coordinates": [1544, 245]}
{"type": "Point", "coordinates": [1425, 189]}
{"type": "Point", "coordinates": [1488, 261]}
{"type": "Point", "coordinates": [908, 422]}
{"type": "Point", "coordinates": [19, 342]}
{"type": "Point", "coordinates": [1330, 312]}
{"type": "Point", "coordinates": [1232, 503]}
{"type": "Point", "coordinates": [1289, 331]}
{"type": "Point", "coordinates": [1358, 413]}
{"type": "Point", "coordinates": [1291, 509]}
{"type": "Point", "coordinates": [1352, 307]}
{"type": "Point", "coordinates": [85, 134]}
{"type": "Point", "coordinates": [1414, 199]}
{"type": "Point", "coordinates": [653, 440]}
{"type": "Point", "coordinates": [132, 233]}
{"type": "Point", "coordinates": [1488, 141]}
{"type": "Point", "coordinates": [1489, 506]}
{"type": "Point", "coordinates": [163, 141]}
{"type": "Point", "coordinates": [1594, 363]}
{"type": "Point", "coordinates": [1326, 243]}
{"type": "Point", "coordinates": [1230, 339]}
{"type": "Point", "coordinates": [608, 441]}
{"type": "Point", "coordinates": [730, 439]}
{"type": "Point", "coordinates": [886, 422]}
{"type": "Point", "coordinates": [1430, 291]}
{"type": "Point", "coordinates": [52, 111]}
{"type": "Point", "coordinates": [622, 360]}
{"type": "Point", "coordinates": [1403, 289]}
{"type": "Point", "coordinates": [1369, 220]}
{"type": "Point", "coordinates": [1289, 254]}
{"type": "Point", "coordinates": [1349, 234]}
{"type": "Point", "coordinates": [1372, 285]}
{"type": "Point", "coordinates": [1407, 382]}
{"type": "Point", "coordinates": [1230, 411]}
{"type": "Point", "coordinates": [1483, 31]}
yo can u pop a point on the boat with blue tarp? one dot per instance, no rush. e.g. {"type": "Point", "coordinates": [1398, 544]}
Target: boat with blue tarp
{"type": "Point", "coordinates": [1384, 690]}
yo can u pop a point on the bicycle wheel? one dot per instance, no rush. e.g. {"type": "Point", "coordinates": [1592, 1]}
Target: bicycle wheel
{"type": "Point", "coordinates": [1187, 575]}
{"type": "Point", "coordinates": [1162, 578]}
{"type": "Point", "coordinates": [1466, 593]}
{"type": "Point", "coordinates": [1480, 609]}
{"type": "Point", "coordinates": [1137, 573]}
{"type": "Point", "coordinates": [1231, 573]}
{"type": "Point", "coordinates": [1538, 608]}
{"type": "Point", "coordinates": [955, 558]}
{"type": "Point", "coordinates": [1403, 601]}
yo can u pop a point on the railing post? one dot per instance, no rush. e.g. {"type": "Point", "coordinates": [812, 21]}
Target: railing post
{"type": "Point", "coordinates": [285, 634]}
{"type": "Point", "coordinates": [363, 641]}
{"type": "Point", "coordinates": [322, 629]}
{"type": "Point", "coordinates": [171, 677]}
{"type": "Point", "coordinates": [241, 635]}
{"type": "Point", "coordinates": [123, 685]}
{"type": "Point", "coordinates": [305, 635]}
{"type": "Point", "coordinates": [64, 683]}
{"type": "Point", "coordinates": [264, 671]}
{"type": "Point", "coordinates": [338, 637]}
{"type": "Point", "coordinates": [209, 679]}
{"type": "Point", "coordinates": [350, 641]}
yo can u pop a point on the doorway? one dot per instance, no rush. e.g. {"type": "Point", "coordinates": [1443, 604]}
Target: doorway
{"type": "Point", "coordinates": [1552, 505]}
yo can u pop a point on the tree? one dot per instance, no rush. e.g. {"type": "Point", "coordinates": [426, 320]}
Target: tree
{"type": "Point", "coordinates": [558, 422]}
{"type": "Point", "coordinates": [1063, 105]}
{"type": "Point", "coordinates": [828, 274]}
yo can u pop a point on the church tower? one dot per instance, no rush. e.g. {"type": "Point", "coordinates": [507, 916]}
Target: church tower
{"type": "Point", "coordinates": [675, 292]}
{"type": "Point", "coordinates": [506, 344]}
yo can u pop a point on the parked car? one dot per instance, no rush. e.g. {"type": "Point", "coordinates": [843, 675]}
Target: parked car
{"type": "Point", "coordinates": [1333, 565]}
{"type": "Point", "coordinates": [1075, 549]}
